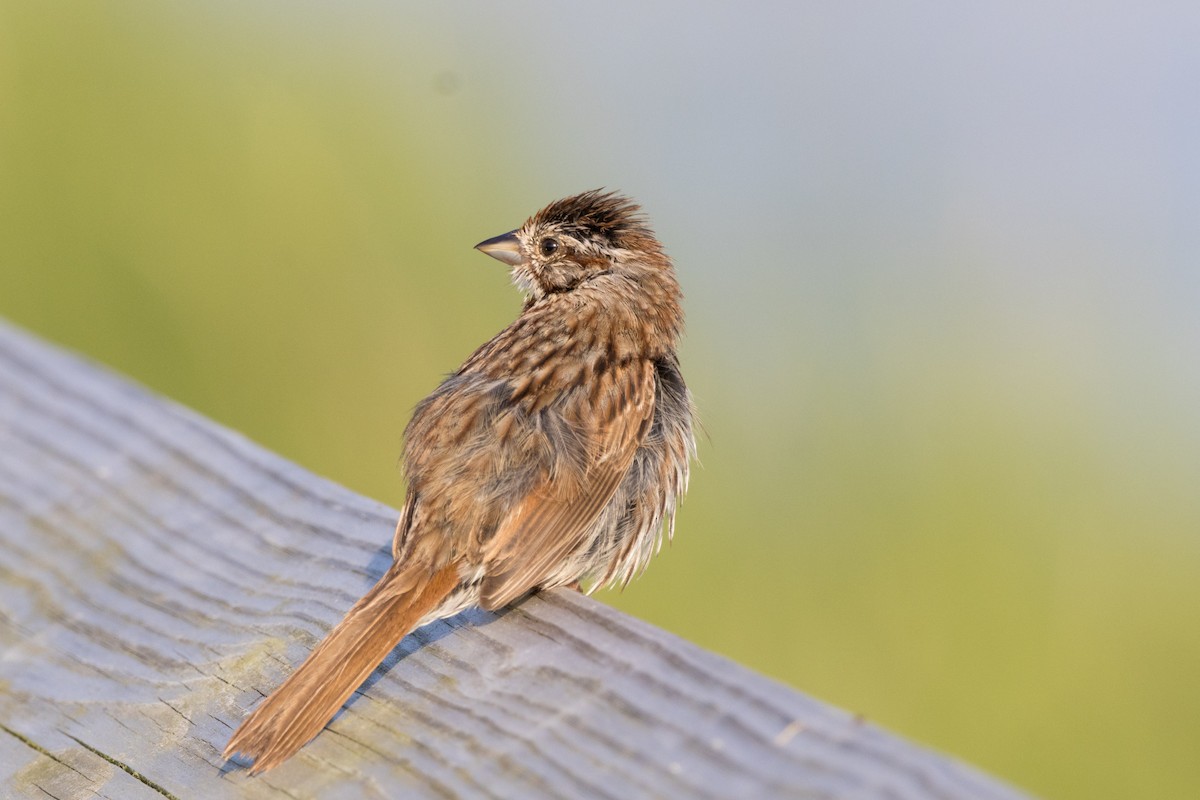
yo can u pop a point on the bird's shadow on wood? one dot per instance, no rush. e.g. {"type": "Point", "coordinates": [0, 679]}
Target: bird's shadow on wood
{"type": "Point", "coordinates": [410, 644]}
{"type": "Point", "coordinates": [421, 637]}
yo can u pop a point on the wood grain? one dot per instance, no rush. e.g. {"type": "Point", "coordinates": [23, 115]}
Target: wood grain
{"type": "Point", "coordinates": [159, 573]}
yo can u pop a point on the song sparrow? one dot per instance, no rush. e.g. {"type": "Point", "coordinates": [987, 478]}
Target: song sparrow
{"type": "Point", "coordinates": [550, 458]}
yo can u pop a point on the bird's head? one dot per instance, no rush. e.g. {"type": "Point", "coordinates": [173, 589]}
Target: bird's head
{"type": "Point", "coordinates": [576, 239]}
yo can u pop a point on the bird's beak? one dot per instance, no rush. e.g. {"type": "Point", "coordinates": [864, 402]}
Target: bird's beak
{"type": "Point", "coordinates": [504, 247]}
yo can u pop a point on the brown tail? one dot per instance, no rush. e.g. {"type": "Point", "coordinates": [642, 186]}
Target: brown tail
{"type": "Point", "coordinates": [299, 709]}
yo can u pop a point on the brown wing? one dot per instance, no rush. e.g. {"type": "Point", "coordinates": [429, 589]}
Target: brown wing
{"type": "Point", "coordinates": [551, 523]}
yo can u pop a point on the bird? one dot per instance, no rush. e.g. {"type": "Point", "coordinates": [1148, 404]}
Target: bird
{"type": "Point", "coordinates": [555, 456]}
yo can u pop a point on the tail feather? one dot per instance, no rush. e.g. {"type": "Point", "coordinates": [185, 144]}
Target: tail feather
{"type": "Point", "coordinates": [308, 699]}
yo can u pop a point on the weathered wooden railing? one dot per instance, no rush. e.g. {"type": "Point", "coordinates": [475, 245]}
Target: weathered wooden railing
{"type": "Point", "coordinates": [158, 573]}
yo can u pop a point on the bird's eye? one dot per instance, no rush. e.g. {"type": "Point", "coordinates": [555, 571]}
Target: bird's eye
{"type": "Point", "coordinates": [549, 246]}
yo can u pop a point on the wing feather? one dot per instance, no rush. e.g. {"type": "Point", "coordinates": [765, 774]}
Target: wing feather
{"type": "Point", "coordinates": [553, 520]}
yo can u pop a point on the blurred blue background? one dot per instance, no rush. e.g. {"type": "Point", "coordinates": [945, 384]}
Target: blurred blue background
{"type": "Point", "coordinates": [942, 273]}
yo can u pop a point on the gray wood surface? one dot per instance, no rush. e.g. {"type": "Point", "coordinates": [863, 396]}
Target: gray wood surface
{"type": "Point", "coordinates": [158, 573]}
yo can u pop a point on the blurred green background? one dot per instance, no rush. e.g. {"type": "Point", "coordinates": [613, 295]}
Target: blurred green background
{"type": "Point", "coordinates": [942, 278]}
